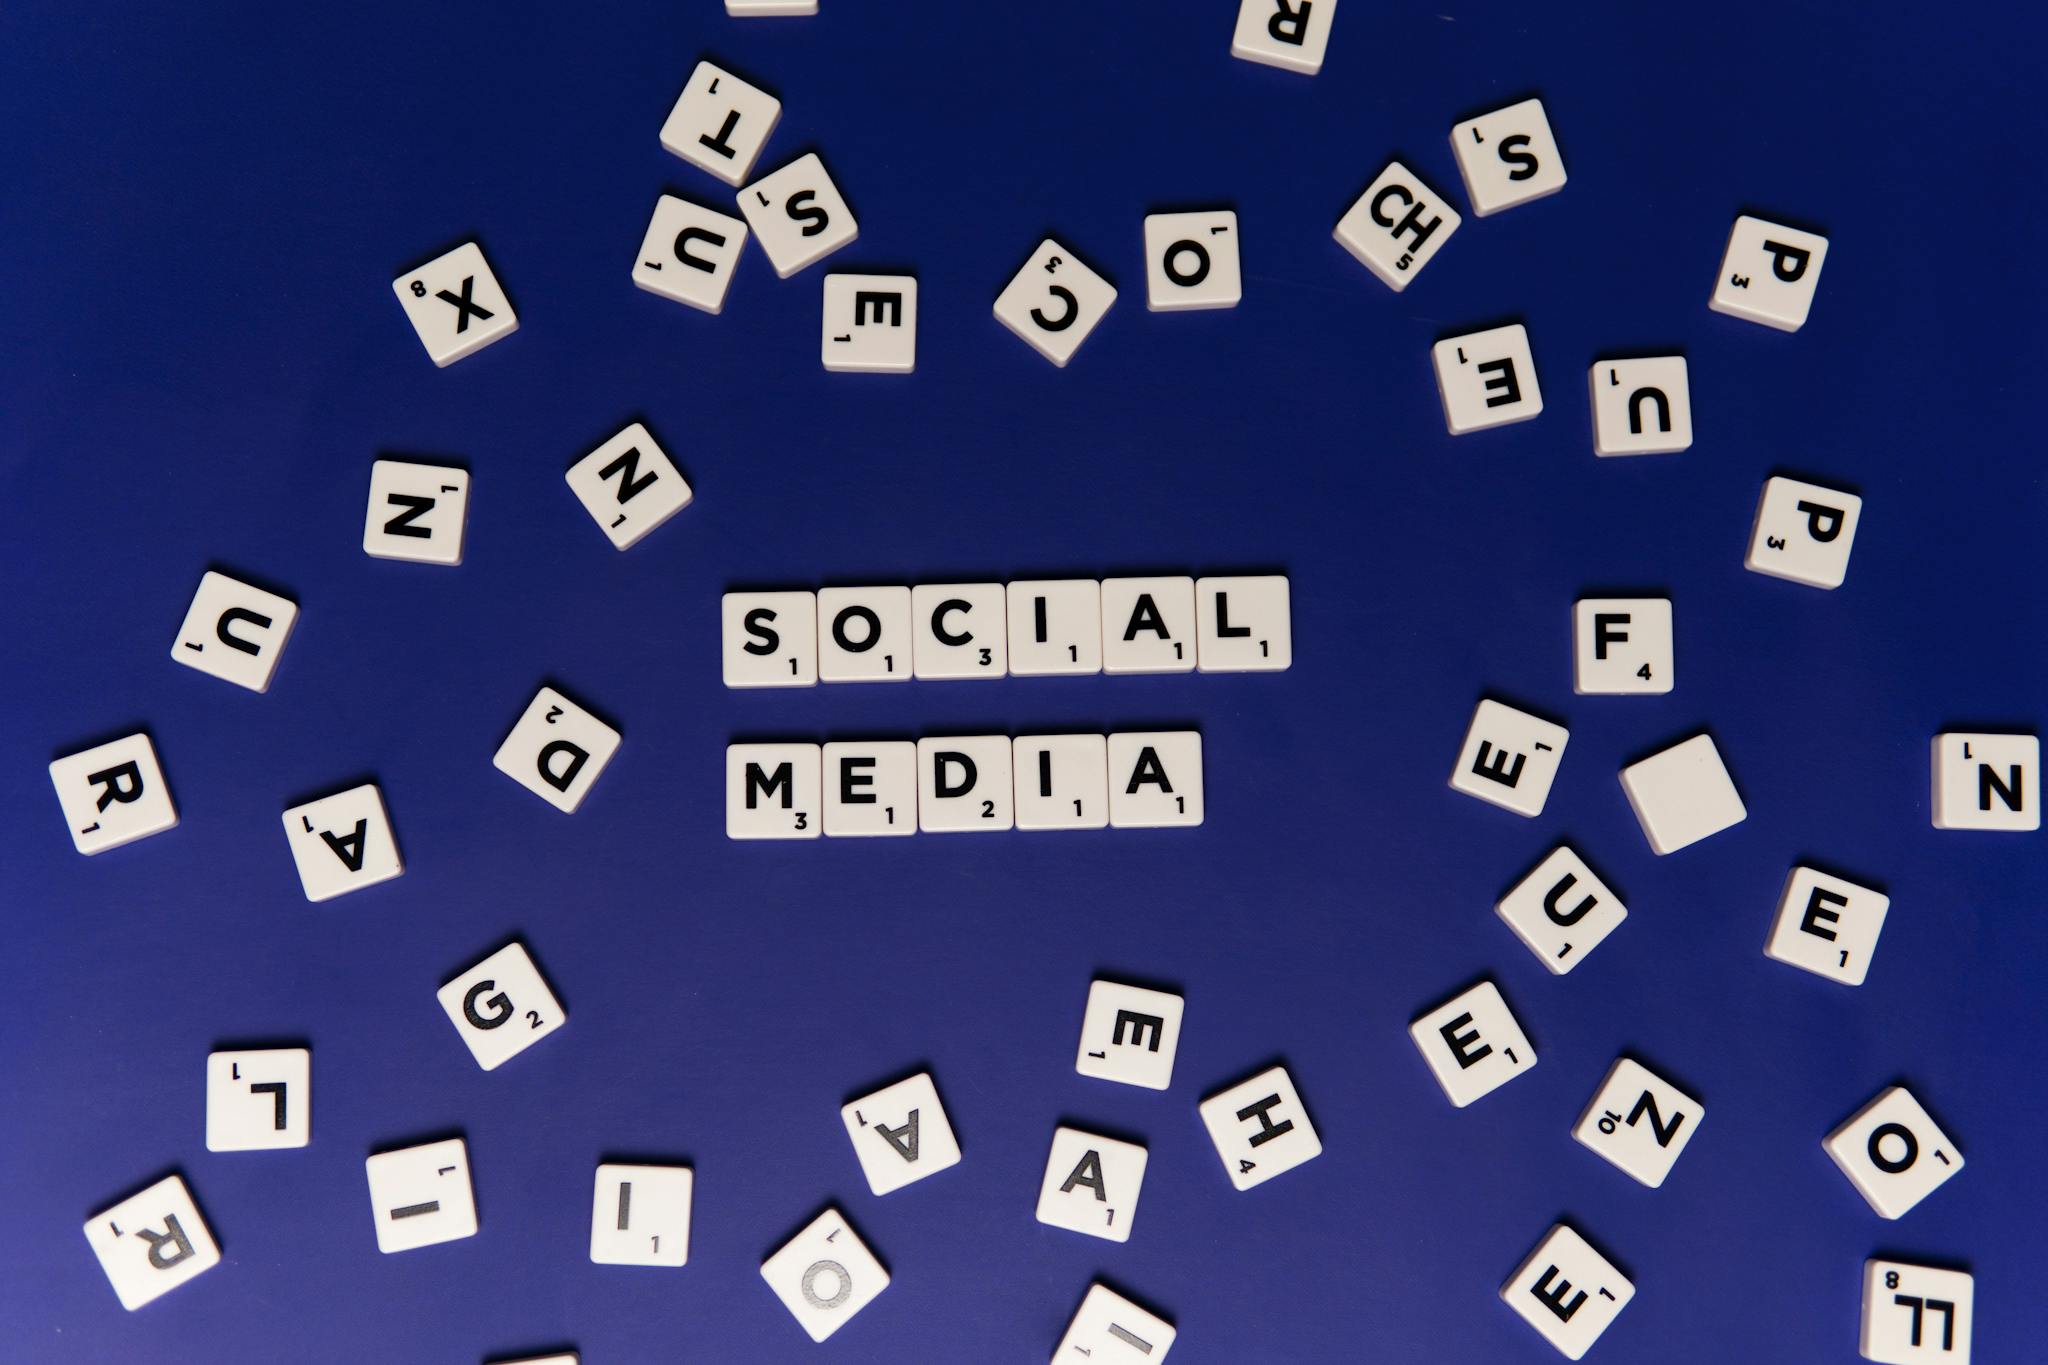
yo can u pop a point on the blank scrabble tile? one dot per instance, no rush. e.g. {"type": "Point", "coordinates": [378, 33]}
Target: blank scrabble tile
{"type": "Point", "coordinates": [770, 639]}
{"type": "Point", "coordinates": [1054, 302]}
{"type": "Point", "coordinates": [1893, 1153]}
{"type": "Point", "coordinates": [1260, 1128]}
{"type": "Point", "coordinates": [1683, 794]}
{"type": "Point", "coordinates": [767, 9]}
{"type": "Point", "coordinates": [568, 1359]}
{"type": "Point", "coordinates": [1509, 758]}
{"type": "Point", "coordinates": [557, 750]}
{"type": "Point", "coordinates": [1062, 781]}
{"type": "Point", "coordinates": [1827, 925]}
{"type": "Point", "coordinates": [152, 1242]}
{"type": "Point", "coordinates": [1055, 627]}
{"type": "Point", "coordinates": [501, 1006]}
{"type": "Point", "coordinates": [720, 123]}
{"type": "Point", "coordinates": [1769, 273]}
{"type": "Point", "coordinates": [870, 324]}
{"type": "Point", "coordinates": [1639, 1121]}
{"type": "Point", "coordinates": [1290, 34]}
{"type": "Point", "coordinates": [1191, 261]}
{"type": "Point", "coordinates": [1568, 1292]}
{"type": "Point", "coordinates": [870, 788]}
{"type": "Point", "coordinates": [1091, 1184]}
{"type": "Point", "coordinates": [824, 1275]}
{"type": "Point", "coordinates": [259, 1101]}
{"type": "Point", "coordinates": [455, 304]}
{"type": "Point", "coordinates": [1129, 1035]}
{"type": "Point", "coordinates": [235, 631]}
{"type": "Point", "coordinates": [342, 843]}
{"type": "Point", "coordinates": [1243, 625]}
{"type": "Point", "coordinates": [1916, 1314]}
{"type": "Point", "coordinates": [421, 1196]}
{"type": "Point", "coordinates": [772, 791]}
{"type": "Point", "coordinates": [900, 1133]}
{"type": "Point", "coordinates": [1803, 532]}
{"type": "Point", "coordinates": [1148, 625]}
{"type": "Point", "coordinates": [417, 512]}
{"type": "Point", "coordinates": [1487, 379]}
{"type": "Point", "coordinates": [1108, 1329]}
{"type": "Point", "coordinates": [1986, 782]}
{"type": "Point", "coordinates": [113, 794]}
{"type": "Point", "coordinates": [864, 635]}
{"type": "Point", "coordinates": [1508, 157]}
{"type": "Point", "coordinates": [1472, 1044]}
{"type": "Point", "coordinates": [959, 631]}
{"type": "Point", "coordinates": [1641, 407]}
{"type": "Point", "coordinates": [1397, 226]}
{"type": "Point", "coordinates": [1622, 646]}
{"type": "Point", "coordinates": [964, 784]}
{"type": "Point", "coordinates": [1155, 779]}
{"type": "Point", "coordinates": [629, 486]}
{"type": "Point", "coordinates": [689, 253]}
{"type": "Point", "coordinates": [797, 215]}
{"type": "Point", "coordinates": [1561, 911]}
{"type": "Point", "coordinates": [640, 1215]}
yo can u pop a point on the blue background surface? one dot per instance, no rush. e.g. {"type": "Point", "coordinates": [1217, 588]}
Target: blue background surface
{"type": "Point", "coordinates": [204, 211]}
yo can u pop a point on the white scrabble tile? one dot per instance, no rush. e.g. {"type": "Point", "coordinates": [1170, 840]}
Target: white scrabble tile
{"type": "Point", "coordinates": [720, 123]}
{"type": "Point", "coordinates": [1803, 532]}
{"type": "Point", "coordinates": [870, 324]}
{"type": "Point", "coordinates": [1509, 758]}
{"type": "Point", "coordinates": [417, 512]}
{"type": "Point", "coordinates": [1129, 1035]}
{"type": "Point", "coordinates": [629, 486]}
{"type": "Point", "coordinates": [421, 1196]}
{"type": "Point", "coordinates": [1397, 226]}
{"type": "Point", "coordinates": [557, 750]}
{"type": "Point", "coordinates": [1622, 646]}
{"type": "Point", "coordinates": [963, 783]}
{"type": "Point", "coordinates": [1683, 794]}
{"type": "Point", "coordinates": [1827, 925]}
{"type": "Point", "coordinates": [1893, 1153]}
{"type": "Point", "coordinates": [1091, 1184]}
{"type": "Point", "coordinates": [1641, 407]}
{"type": "Point", "coordinates": [1639, 1121]}
{"type": "Point", "coordinates": [1916, 1314]}
{"type": "Point", "coordinates": [1155, 779]}
{"type": "Point", "coordinates": [342, 843]}
{"type": "Point", "coordinates": [1289, 34]}
{"type": "Point", "coordinates": [234, 631]}
{"type": "Point", "coordinates": [958, 630]}
{"type": "Point", "coordinates": [1260, 1128]}
{"type": "Point", "coordinates": [864, 635]}
{"type": "Point", "coordinates": [152, 1242]}
{"type": "Point", "coordinates": [797, 215]}
{"type": "Point", "coordinates": [1054, 302]}
{"type": "Point", "coordinates": [900, 1133]}
{"type": "Point", "coordinates": [770, 638]}
{"type": "Point", "coordinates": [765, 9]}
{"type": "Point", "coordinates": [569, 1359]}
{"type": "Point", "coordinates": [1148, 625]}
{"type": "Point", "coordinates": [1561, 911]}
{"type": "Point", "coordinates": [113, 794]}
{"type": "Point", "coordinates": [1191, 261]}
{"type": "Point", "coordinates": [870, 788]}
{"type": "Point", "coordinates": [1568, 1292]}
{"type": "Point", "coordinates": [501, 1006]}
{"type": "Point", "coordinates": [1508, 157]}
{"type": "Point", "coordinates": [772, 791]}
{"type": "Point", "coordinates": [824, 1275]}
{"type": "Point", "coordinates": [1487, 379]}
{"type": "Point", "coordinates": [1062, 781]}
{"type": "Point", "coordinates": [1055, 627]}
{"type": "Point", "coordinates": [259, 1101]}
{"type": "Point", "coordinates": [1108, 1329]}
{"type": "Point", "coordinates": [456, 304]}
{"type": "Point", "coordinates": [1982, 781]}
{"type": "Point", "coordinates": [1769, 273]}
{"type": "Point", "coordinates": [640, 1215]}
{"type": "Point", "coordinates": [1472, 1044]}
{"type": "Point", "coordinates": [689, 253]}
{"type": "Point", "coordinates": [1243, 625]}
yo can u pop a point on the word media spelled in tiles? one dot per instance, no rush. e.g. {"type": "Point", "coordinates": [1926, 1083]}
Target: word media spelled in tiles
{"type": "Point", "coordinates": [1568, 1292]}
{"type": "Point", "coordinates": [1062, 781]}
{"type": "Point", "coordinates": [1091, 1184]}
{"type": "Point", "coordinates": [1260, 1128]}
{"type": "Point", "coordinates": [234, 631]}
{"type": "Point", "coordinates": [152, 1242]}
{"type": "Point", "coordinates": [1191, 261]}
{"type": "Point", "coordinates": [1893, 1152]}
{"type": "Point", "coordinates": [1397, 226]}
{"type": "Point", "coordinates": [342, 843]}
{"type": "Point", "coordinates": [1622, 646]}
{"type": "Point", "coordinates": [1472, 1044]}
{"type": "Point", "coordinates": [1981, 782]}
{"type": "Point", "coordinates": [501, 1006]}
{"type": "Point", "coordinates": [420, 1196]}
{"type": "Point", "coordinates": [798, 215]}
{"type": "Point", "coordinates": [259, 1101]}
{"type": "Point", "coordinates": [1639, 1121]}
{"type": "Point", "coordinates": [871, 788]}
{"type": "Point", "coordinates": [870, 324]}
{"type": "Point", "coordinates": [720, 123]}
{"type": "Point", "coordinates": [1055, 627]}
{"type": "Point", "coordinates": [1916, 1314]}
{"type": "Point", "coordinates": [964, 784]}
{"type": "Point", "coordinates": [864, 635]}
{"type": "Point", "coordinates": [1509, 758]}
{"type": "Point", "coordinates": [417, 512]}
{"type": "Point", "coordinates": [960, 630]}
{"type": "Point", "coordinates": [1054, 302]}
{"type": "Point", "coordinates": [1769, 274]}
{"type": "Point", "coordinates": [640, 1215]}
{"type": "Point", "coordinates": [113, 794]}
{"type": "Point", "coordinates": [1129, 1035]}
{"type": "Point", "coordinates": [900, 1134]}
{"type": "Point", "coordinates": [1148, 625]}
{"type": "Point", "coordinates": [557, 750]}
{"type": "Point", "coordinates": [629, 485]}
{"type": "Point", "coordinates": [824, 1275]}
{"type": "Point", "coordinates": [1108, 1329]}
{"type": "Point", "coordinates": [1561, 911]}
{"type": "Point", "coordinates": [1508, 157]}
{"type": "Point", "coordinates": [1487, 379]}
{"type": "Point", "coordinates": [1289, 34]}
{"type": "Point", "coordinates": [455, 304]}
{"type": "Point", "coordinates": [689, 253]}
{"type": "Point", "coordinates": [1803, 532]}
{"type": "Point", "coordinates": [1827, 925]}
{"type": "Point", "coordinates": [1641, 407]}
{"type": "Point", "coordinates": [1683, 794]}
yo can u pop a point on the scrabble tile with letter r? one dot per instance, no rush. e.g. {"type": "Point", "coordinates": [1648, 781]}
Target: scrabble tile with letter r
{"type": "Point", "coordinates": [720, 123]}
{"type": "Point", "coordinates": [342, 843]}
{"type": "Point", "coordinates": [1803, 532]}
{"type": "Point", "coordinates": [501, 1006]}
{"type": "Point", "coordinates": [689, 254]}
{"type": "Point", "coordinates": [640, 1215]}
{"type": "Point", "coordinates": [1769, 273]}
{"type": "Point", "coordinates": [152, 1242]}
{"type": "Point", "coordinates": [1397, 226]}
{"type": "Point", "coordinates": [825, 1275]}
{"type": "Point", "coordinates": [1472, 1044]}
{"type": "Point", "coordinates": [1091, 1184]}
{"type": "Point", "coordinates": [557, 750]}
{"type": "Point", "coordinates": [235, 631]}
{"type": "Point", "coordinates": [1108, 1329]}
{"type": "Point", "coordinates": [1290, 34]}
{"type": "Point", "coordinates": [1827, 925]}
{"type": "Point", "coordinates": [1916, 1314]}
{"type": "Point", "coordinates": [1568, 1292]}
{"type": "Point", "coordinates": [1508, 157]}
{"type": "Point", "coordinates": [113, 794]}
{"type": "Point", "coordinates": [1893, 1153]}
{"type": "Point", "coordinates": [900, 1133]}
{"type": "Point", "coordinates": [1509, 758]}
{"type": "Point", "coordinates": [421, 1196]}
{"type": "Point", "coordinates": [1260, 1128]}
{"type": "Point", "coordinates": [259, 1100]}
{"type": "Point", "coordinates": [1130, 1035]}
{"type": "Point", "coordinates": [1487, 379]}
{"type": "Point", "coordinates": [417, 512]}
{"type": "Point", "coordinates": [797, 215]}
{"type": "Point", "coordinates": [1987, 782]}
{"type": "Point", "coordinates": [1054, 302]}
{"type": "Point", "coordinates": [629, 486]}
{"type": "Point", "coordinates": [455, 304]}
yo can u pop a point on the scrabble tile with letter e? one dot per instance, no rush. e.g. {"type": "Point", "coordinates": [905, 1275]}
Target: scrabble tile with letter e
{"type": "Point", "coordinates": [824, 1275]}
{"type": "Point", "coordinates": [1487, 379]}
{"type": "Point", "coordinates": [797, 215]}
{"type": "Point", "coordinates": [455, 304]}
{"type": "Point", "coordinates": [1509, 758]}
{"type": "Point", "coordinates": [1683, 794]}
{"type": "Point", "coordinates": [1769, 273]}
{"type": "Point", "coordinates": [640, 1215]}
{"type": "Point", "coordinates": [1803, 532]}
{"type": "Point", "coordinates": [1561, 911]}
{"type": "Point", "coordinates": [1568, 1292]}
{"type": "Point", "coordinates": [113, 794]}
{"type": "Point", "coordinates": [900, 1133]}
{"type": "Point", "coordinates": [417, 512]}
{"type": "Point", "coordinates": [1916, 1314]}
{"type": "Point", "coordinates": [342, 843]}
{"type": "Point", "coordinates": [870, 324]}
{"type": "Point", "coordinates": [501, 1006]}
{"type": "Point", "coordinates": [557, 750]}
{"type": "Point", "coordinates": [1893, 1153]}
{"type": "Point", "coordinates": [1130, 1035]}
{"type": "Point", "coordinates": [1987, 782]}
{"type": "Point", "coordinates": [1639, 1121]}
{"type": "Point", "coordinates": [689, 254]}
{"type": "Point", "coordinates": [1260, 1128]}
{"type": "Point", "coordinates": [421, 1196]}
{"type": "Point", "coordinates": [1397, 226]}
{"type": "Point", "coordinates": [1508, 157]}
{"type": "Point", "coordinates": [1827, 925]}
{"type": "Point", "coordinates": [152, 1242]}
{"type": "Point", "coordinates": [629, 486]}
{"type": "Point", "coordinates": [1641, 407]}
{"type": "Point", "coordinates": [259, 1100]}
{"type": "Point", "coordinates": [1472, 1044]}
{"type": "Point", "coordinates": [1191, 261]}
{"type": "Point", "coordinates": [1109, 1329]}
{"type": "Point", "coordinates": [773, 791]}
{"type": "Point", "coordinates": [1091, 1184]}
{"type": "Point", "coordinates": [1054, 302]}
{"type": "Point", "coordinates": [1290, 34]}
{"type": "Point", "coordinates": [235, 631]}
{"type": "Point", "coordinates": [720, 123]}
{"type": "Point", "coordinates": [870, 788]}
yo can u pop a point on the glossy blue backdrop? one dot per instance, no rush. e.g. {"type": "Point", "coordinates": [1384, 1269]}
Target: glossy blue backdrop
{"type": "Point", "coordinates": [204, 209]}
